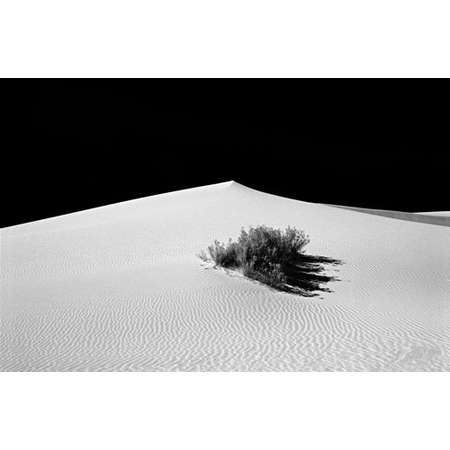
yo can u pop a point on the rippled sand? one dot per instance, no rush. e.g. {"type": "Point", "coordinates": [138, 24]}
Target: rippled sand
{"type": "Point", "coordinates": [121, 288]}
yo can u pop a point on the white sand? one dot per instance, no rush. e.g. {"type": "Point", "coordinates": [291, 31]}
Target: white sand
{"type": "Point", "coordinates": [121, 288]}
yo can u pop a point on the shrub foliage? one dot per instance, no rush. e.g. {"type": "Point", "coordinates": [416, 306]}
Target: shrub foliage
{"type": "Point", "coordinates": [274, 257]}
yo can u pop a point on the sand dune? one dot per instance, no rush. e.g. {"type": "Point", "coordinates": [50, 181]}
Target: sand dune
{"type": "Point", "coordinates": [121, 288]}
{"type": "Point", "coordinates": [436, 213]}
{"type": "Point", "coordinates": [435, 218]}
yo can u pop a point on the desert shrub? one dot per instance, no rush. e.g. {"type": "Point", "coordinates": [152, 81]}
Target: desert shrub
{"type": "Point", "coordinates": [274, 257]}
{"type": "Point", "coordinates": [224, 256]}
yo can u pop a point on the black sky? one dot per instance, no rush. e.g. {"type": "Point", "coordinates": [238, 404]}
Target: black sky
{"type": "Point", "coordinates": [70, 145]}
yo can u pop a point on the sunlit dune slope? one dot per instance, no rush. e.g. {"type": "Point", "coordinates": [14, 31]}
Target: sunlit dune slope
{"type": "Point", "coordinates": [121, 288]}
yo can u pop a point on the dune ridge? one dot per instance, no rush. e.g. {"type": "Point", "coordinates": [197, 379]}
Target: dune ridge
{"type": "Point", "coordinates": [120, 288]}
{"type": "Point", "coordinates": [434, 218]}
{"type": "Point", "coordinates": [435, 213]}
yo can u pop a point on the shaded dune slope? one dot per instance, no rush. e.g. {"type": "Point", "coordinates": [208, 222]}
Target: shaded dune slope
{"type": "Point", "coordinates": [436, 218]}
{"type": "Point", "coordinates": [121, 288]}
{"type": "Point", "coordinates": [436, 213]}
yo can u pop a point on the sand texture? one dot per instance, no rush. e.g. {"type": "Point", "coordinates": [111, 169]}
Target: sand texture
{"type": "Point", "coordinates": [120, 288]}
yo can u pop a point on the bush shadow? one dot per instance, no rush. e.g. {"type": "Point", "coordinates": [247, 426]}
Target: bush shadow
{"type": "Point", "coordinates": [307, 275]}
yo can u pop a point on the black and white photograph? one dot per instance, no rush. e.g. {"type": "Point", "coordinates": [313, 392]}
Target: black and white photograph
{"type": "Point", "coordinates": [224, 225]}
{"type": "Point", "coordinates": [171, 238]}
